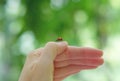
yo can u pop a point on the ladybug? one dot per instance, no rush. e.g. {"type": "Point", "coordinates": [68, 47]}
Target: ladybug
{"type": "Point", "coordinates": [59, 39]}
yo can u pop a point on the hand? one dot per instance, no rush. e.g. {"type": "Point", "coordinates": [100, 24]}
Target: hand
{"type": "Point", "coordinates": [75, 59]}
{"type": "Point", "coordinates": [39, 64]}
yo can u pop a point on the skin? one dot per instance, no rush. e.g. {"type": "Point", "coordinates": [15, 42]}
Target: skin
{"type": "Point", "coordinates": [56, 61]}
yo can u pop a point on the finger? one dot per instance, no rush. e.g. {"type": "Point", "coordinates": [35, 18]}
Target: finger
{"type": "Point", "coordinates": [68, 70]}
{"type": "Point", "coordinates": [89, 62]}
{"type": "Point", "coordinates": [65, 76]}
{"type": "Point", "coordinates": [52, 49]}
{"type": "Point", "coordinates": [78, 53]}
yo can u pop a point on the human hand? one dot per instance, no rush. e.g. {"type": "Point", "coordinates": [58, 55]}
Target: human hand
{"type": "Point", "coordinates": [69, 60]}
{"type": "Point", "coordinates": [39, 65]}
{"type": "Point", "coordinates": [74, 59]}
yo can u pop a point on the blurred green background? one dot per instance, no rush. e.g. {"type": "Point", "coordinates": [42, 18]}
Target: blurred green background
{"type": "Point", "coordinates": [28, 24]}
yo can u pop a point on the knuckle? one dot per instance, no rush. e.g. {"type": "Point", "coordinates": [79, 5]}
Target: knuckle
{"type": "Point", "coordinates": [34, 66]}
{"type": "Point", "coordinates": [36, 52]}
{"type": "Point", "coordinates": [31, 54]}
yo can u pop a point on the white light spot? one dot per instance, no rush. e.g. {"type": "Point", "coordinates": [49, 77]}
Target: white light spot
{"type": "Point", "coordinates": [58, 4]}
{"type": "Point", "coordinates": [27, 42]}
{"type": "Point", "coordinates": [115, 4]}
{"type": "Point", "coordinates": [80, 17]}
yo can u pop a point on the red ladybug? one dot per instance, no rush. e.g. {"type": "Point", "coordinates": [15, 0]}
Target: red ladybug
{"type": "Point", "coordinates": [59, 39]}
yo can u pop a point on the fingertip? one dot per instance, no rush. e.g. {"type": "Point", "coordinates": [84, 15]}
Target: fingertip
{"type": "Point", "coordinates": [63, 43]}
{"type": "Point", "coordinates": [62, 46]}
{"type": "Point", "coordinates": [100, 52]}
{"type": "Point", "coordinates": [101, 61]}
{"type": "Point", "coordinates": [52, 49]}
{"type": "Point", "coordinates": [94, 51]}
{"type": "Point", "coordinates": [56, 44]}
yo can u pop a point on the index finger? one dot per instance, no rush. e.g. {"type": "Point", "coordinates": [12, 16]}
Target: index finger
{"type": "Point", "coordinates": [79, 53]}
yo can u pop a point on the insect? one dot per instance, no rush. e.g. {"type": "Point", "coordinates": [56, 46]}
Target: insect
{"type": "Point", "coordinates": [59, 39]}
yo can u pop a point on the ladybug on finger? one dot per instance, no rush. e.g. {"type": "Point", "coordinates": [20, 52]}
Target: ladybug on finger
{"type": "Point", "coordinates": [59, 39]}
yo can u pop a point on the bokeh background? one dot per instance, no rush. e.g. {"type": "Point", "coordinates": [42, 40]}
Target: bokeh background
{"type": "Point", "coordinates": [28, 24]}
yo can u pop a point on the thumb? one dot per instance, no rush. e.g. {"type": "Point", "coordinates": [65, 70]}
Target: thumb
{"type": "Point", "coordinates": [52, 49]}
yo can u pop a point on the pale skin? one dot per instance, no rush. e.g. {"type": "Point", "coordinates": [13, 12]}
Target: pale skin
{"type": "Point", "coordinates": [58, 60]}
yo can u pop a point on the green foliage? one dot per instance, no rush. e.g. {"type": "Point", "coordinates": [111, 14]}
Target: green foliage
{"type": "Point", "coordinates": [29, 24]}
